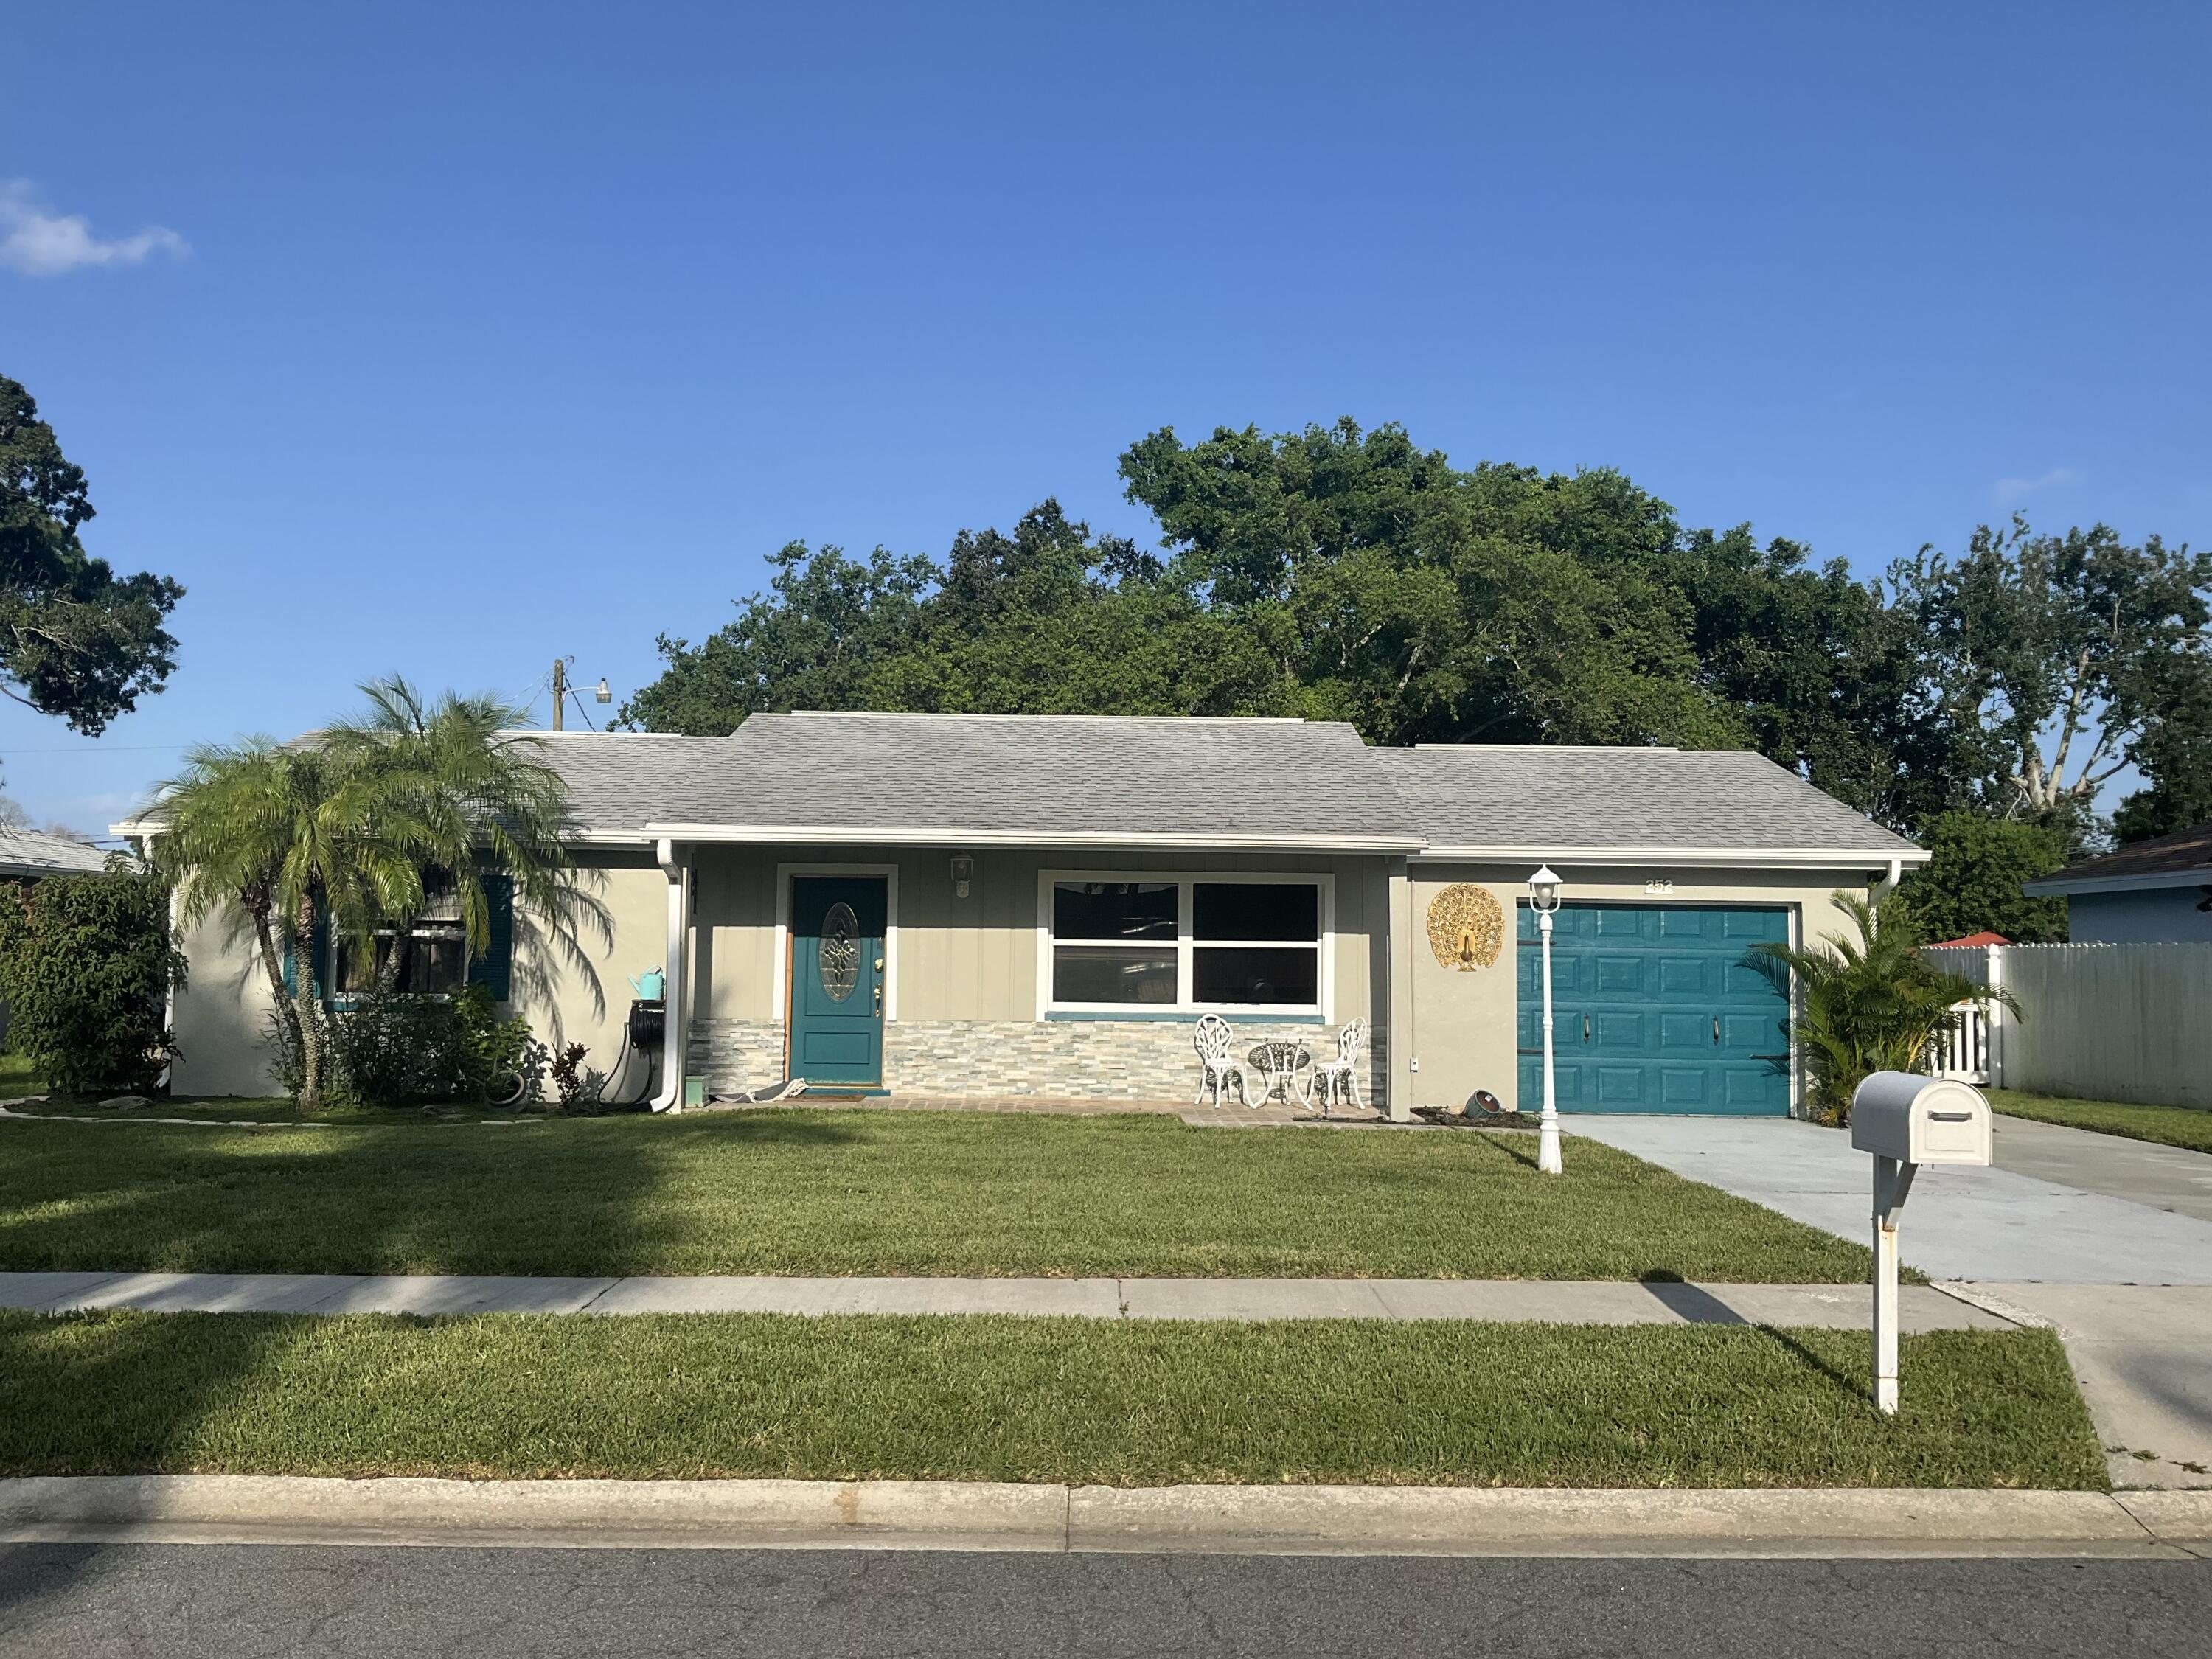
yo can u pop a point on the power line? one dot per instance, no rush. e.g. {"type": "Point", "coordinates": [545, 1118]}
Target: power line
{"type": "Point", "coordinates": [94, 749]}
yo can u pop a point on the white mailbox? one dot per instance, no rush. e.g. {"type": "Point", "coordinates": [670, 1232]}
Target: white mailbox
{"type": "Point", "coordinates": [1906, 1121]}
{"type": "Point", "coordinates": [1921, 1120]}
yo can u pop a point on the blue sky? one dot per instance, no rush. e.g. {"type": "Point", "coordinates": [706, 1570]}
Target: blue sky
{"type": "Point", "coordinates": [448, 338]}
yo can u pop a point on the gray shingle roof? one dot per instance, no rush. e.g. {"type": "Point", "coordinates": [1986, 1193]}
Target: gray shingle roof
{"type": "Point", "coordinates": [2183, 858]}
{"type": "Point", "coordinates": [1275, 783]}
{"type": "Point", "coordinates": [1000, 776]}
{"type": "Point", "coordinates": [35, 852]}
{"type": "Point", "coordinates": [1717, 799]}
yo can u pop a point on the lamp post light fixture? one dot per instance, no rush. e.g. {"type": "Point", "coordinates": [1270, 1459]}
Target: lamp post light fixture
{"type": "Point", "coordinates": [963, 871]}
{"type": "Point", "coordinates": [1544, 900]}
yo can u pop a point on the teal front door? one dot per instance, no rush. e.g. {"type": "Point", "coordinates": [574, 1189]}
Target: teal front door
{"type": "Point", "coordinates": [1657, 1008]}
{"type": "Point", "coordinates": [836, 977]}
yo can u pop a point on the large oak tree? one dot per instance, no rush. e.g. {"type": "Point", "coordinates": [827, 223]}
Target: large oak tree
{"type": "Point", "coordinates": [76, 640]}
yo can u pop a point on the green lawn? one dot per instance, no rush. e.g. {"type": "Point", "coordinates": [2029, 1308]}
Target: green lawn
{"type": "Point", "coordinates": [2169, 1126]}
{"type": "Point", "coordinates": [1032, 1399]}
{"type": "Point", "coordinates": [242, 1110]}
{"type": "Point", "coordinates": [17, 1079]}
{"type": "Point", "coordinates": [828, 1191]}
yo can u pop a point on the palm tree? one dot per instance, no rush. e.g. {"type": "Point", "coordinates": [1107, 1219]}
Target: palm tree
{"type": "Point", "coordinates": [480, 800]}
{"type": "Point", "coordinates": [1871, 1004]}
{"type": "Point", "coordinates": [291, 835]}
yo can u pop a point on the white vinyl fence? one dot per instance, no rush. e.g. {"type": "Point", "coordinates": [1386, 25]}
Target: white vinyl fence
{"type": "Point", "coordinates": [2098, 1022]}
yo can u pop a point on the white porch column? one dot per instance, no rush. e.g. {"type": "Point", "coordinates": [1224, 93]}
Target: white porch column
{"type": "Point", "coordinates": [676, 865]}
{"type": "Point", "coordinates": [1997, 1026]}
{"type": "Point", "coordinates": [1399, 961]}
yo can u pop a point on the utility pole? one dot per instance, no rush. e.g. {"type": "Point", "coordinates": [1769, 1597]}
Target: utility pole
{"type": "Point", "coordinates": [560, 688]}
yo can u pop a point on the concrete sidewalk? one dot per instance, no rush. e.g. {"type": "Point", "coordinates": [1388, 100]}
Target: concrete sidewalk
{"type": "Point", "coordinates": [1256, 1520]}
{"type": "Point", "coordinates": [2142, 1354]}
{"type": "Point", "coordinates": [1843, 1307]}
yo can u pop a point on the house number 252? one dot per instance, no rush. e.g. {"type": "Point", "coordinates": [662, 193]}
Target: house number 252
{"type": "Point", "coordinates": [1658, 889]}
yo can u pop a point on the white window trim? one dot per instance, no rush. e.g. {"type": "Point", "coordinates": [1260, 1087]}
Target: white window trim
{"type": "Point", "coordinates": [1185, 946]}
{"type": "Point", "coordinates": [784, 872]}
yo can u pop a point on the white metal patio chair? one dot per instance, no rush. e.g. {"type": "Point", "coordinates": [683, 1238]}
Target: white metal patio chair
{"type": "Point", "coordinates": [1341, 1076]}
{"type": "Point", "coordinates": [1216, 1043]}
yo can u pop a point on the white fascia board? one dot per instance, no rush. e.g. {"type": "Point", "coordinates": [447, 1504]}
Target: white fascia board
{"type": "Point", "coordinates": [895, 836]}
{"type": "Point", "coordinates": [2060, 886]}
{"type": "Point", "coordinates": [1695, 857]}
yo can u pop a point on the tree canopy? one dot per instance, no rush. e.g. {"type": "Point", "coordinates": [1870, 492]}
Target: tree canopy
{"type": "Point", "coordinates": [76, 640]}
{"type": "Point", "coordinates": [1348, 574]}
{"type": "Point", "coordinates": [2068, 658]}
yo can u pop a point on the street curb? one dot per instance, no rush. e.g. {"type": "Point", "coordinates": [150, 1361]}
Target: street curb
{"type": "Point", "coordinates": [981, 1515]}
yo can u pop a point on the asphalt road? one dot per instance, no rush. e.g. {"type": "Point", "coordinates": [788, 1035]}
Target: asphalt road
{"type": "Point", "coordinates": [61, 1600]}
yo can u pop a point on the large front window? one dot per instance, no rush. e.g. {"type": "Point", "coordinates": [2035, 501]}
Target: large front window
{"type": "Point", "coordinates": [1165, 943]}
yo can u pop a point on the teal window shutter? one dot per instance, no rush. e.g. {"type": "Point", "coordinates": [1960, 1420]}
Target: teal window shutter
{"type": "Point", "coordinates": [495, 970]}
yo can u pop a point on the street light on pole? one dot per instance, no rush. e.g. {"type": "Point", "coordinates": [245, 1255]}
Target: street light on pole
{"type": "Point", "coordinates": [1544, 900]}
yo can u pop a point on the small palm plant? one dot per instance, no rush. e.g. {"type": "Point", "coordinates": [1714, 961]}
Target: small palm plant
{"type": "Point", "coordinates": [1869, 1004]}
{"type": "Point", "coordinates": [353, 828]}
{"type": "Point", "coordinates": [291, 836]}
{"type": "Point", "coordinates": [479, 799]}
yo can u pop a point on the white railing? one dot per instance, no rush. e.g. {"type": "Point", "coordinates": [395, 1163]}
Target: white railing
{"type": "Point", "coordinates": [1962, 1054]}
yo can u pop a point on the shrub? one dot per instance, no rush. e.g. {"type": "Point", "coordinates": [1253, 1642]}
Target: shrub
{"type": "Point", "coordinates": [86, 962]}
{"type": "Point", "coordinates": [392, 1050]}
{"type": "Point", "coordinates": [1872, 1004]}
{"type": "Point", "coordinates": [578, 1084]}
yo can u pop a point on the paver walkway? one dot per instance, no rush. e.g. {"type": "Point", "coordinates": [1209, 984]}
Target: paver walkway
{"type": "Point", "coordinates": [1994, 1224]}
{"type": "Point", "coordinates": [1561, 1302]}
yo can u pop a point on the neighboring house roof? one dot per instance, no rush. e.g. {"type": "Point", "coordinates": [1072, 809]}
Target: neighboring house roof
{"type": "Point", "coordinates": [1077, 780]}
{"type": "Point", "coordinates": [35, 852]}
{"type": "Point", "coordinates": [2183, 859]}
{"type": "Point", "coordinates": [1985, 937]}
{"type": "Point", "coordinates": [1538, 802]}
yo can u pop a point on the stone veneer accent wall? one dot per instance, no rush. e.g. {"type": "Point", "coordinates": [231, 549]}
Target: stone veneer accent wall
{"type": "Point", "coordinates": [1073, 1059]}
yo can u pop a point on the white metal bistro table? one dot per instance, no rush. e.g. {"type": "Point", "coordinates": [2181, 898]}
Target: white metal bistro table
{"type": "Point", "coordinates": [1284, 1064]}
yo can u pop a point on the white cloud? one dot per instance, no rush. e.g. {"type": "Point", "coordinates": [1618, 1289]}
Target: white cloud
{"type": "Point", "coordinates": [35, 241]}
{"type": "Point", "coordinates": [2010, 492]}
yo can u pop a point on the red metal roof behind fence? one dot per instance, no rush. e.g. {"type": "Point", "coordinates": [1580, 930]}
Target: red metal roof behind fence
{"type": "Point", "coordinates": [1983, 938]}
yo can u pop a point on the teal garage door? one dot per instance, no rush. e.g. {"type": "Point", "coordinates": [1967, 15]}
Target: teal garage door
{"type": "Point", "coordinates": [1657, 1008]}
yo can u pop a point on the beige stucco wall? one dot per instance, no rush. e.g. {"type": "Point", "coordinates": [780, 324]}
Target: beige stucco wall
{"type": "Point", "coordinates": [221, 1016]}
{"type": "Point", "coordinates": [976, 958]}
{"type": "Point", "coordinates": [1462, 1022]}
{"type": "Point", "coordinates": [566, 1001]}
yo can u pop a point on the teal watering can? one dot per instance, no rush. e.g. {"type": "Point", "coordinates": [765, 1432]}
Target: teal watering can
{"type": "Point", "coordinates": [649, 984]}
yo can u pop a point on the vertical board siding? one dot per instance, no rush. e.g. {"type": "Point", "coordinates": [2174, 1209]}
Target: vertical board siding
{"type": "Point", "coordinates": [2108, 1022]}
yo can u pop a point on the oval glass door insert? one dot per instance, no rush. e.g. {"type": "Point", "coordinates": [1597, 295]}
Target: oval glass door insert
{"type": "Point", "coordinates": [841, 952]}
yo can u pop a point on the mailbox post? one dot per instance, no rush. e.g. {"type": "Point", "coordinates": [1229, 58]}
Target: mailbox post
{"type": "Point", "coordinates": [1906, 1121]}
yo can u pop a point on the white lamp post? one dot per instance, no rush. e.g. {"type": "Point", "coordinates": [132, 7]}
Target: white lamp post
{"type": "Point", "coordinates": [1544, 900]}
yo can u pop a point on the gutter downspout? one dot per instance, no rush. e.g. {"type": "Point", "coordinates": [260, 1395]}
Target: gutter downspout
{"type": "Point", "coordinates": [672, 1033]}
{"type": "Point", "coordinates": [1887, 884]}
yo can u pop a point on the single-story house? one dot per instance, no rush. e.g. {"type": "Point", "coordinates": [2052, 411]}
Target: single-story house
{"type": "Point", "coordinates": [1034, 905]}
{"type": "Point", "coordinates": [33, 855]}
{"type": "Point", "coordinates": [2157, 891]}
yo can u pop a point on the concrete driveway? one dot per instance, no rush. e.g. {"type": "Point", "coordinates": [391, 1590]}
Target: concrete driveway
{"type": "Point", "coordinates": [2107, 1240]}
{"type": "Point", "coordinates": [2003, 1224]}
